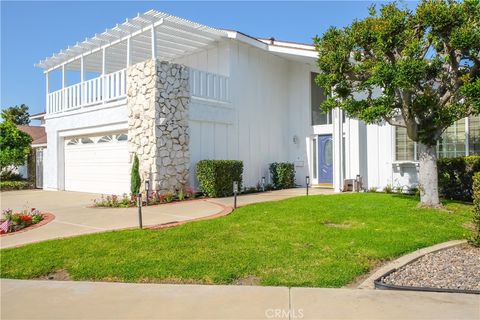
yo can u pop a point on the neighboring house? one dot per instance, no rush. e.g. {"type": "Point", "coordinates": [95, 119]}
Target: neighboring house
{"type": "Point", "coordinates": [33, 169]}
{"type": "Point", "coordinates": [175, 92]}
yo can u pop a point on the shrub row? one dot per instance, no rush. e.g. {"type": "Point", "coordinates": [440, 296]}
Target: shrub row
{"type": "Point", "coordinates": [455, 176]}
{"type": "Point", "coordinates": [15, 185]}
{"type": "Point", "coordinates": [216, 177]}
{"type": "Point", "coordinates": [283, 175]}
{"type": "Point", "coordinates": [476, 209]}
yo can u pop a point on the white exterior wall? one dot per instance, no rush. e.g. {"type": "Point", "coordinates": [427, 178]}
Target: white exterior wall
{"type": "Point", "coordinates": [299, 119]}
{"type": "Point", "coordinates": [270, 105]}
{"type": "Point", "coordinates": [215, 59]}
{"type": "Point", "coordinates": [254, 126]}
{"type": "Point", "coordinates": [84, 122]}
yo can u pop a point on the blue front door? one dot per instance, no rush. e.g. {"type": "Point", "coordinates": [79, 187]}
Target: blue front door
{"type": "Point", "coordinates": [325, 159]}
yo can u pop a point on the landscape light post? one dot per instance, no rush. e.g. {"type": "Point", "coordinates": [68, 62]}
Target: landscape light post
{"type": "Point", "coordinates": [263, 184]}
{"type": "Point", "coordinates": [307, 182]}
{"type": "Point", "coordinates": [139, 199]}
{"type": "Point", "coordinates": [235, 191]}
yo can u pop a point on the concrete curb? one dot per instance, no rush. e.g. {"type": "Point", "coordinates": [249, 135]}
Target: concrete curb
{"type": "Point", "coordinates": [400, 262]}
{"type": "Point", "coordinates": [226, 210]}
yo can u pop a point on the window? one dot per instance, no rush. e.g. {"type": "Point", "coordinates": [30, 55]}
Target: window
{"type": "Point", "coordinates": [404, 147]}
{"type": "Point", "coordinates": [452, 143]}
{"type": "Point", "coordinates": [474, 135]}
{"type": "Point", "coordinates": [317, 97]}
{"type": "Point", "coordinates": [122, 137]}
{"type": "Point", "coordinates": [105, 139]}
{"type": "Point", "coordinates": [72, 142]}
{"type": "Point", "coordinates": [86, 140]}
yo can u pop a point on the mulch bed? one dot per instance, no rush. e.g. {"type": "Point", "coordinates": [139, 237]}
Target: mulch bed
{"type": "Point", "coordinates": [455, 268]}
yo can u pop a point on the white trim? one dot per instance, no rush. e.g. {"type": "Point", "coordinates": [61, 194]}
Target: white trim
{"type": "Point", "coordinates": [293, 51]}
{"type": "Point", "coordinates": [97, 130]}
{"type": "Point", "coordinates": [91, 108]}
{"type": "Point", "coordinates": [39, 145]}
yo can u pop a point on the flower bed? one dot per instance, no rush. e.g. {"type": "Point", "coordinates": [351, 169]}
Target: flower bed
{"type": "Point", "coordinates": [154, 198]}
{"type": "Point", "coordinates": [16, 221]}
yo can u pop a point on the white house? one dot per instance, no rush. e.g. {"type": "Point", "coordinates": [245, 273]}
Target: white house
{"type": "Point", "coordinates": [175, 92]}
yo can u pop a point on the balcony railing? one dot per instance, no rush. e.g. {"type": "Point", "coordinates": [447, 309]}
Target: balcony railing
{"type": "Point", "coordinates": [112, 87]}
{"type": "Point", "coordinates": [107, 88]}
{"type": "Point", "coordinates": [210, 86]}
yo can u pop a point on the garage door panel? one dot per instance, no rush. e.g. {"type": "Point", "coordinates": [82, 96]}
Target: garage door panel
{"type": "Point", "coordinates": [97, 167]}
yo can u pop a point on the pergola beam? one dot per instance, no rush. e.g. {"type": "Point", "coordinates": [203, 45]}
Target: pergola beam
{"type": "Point", "coordinates": [171, 32]}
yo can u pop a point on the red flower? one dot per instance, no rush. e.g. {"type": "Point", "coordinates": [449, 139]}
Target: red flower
{"type": "Point", "coordinates": [26, 218]}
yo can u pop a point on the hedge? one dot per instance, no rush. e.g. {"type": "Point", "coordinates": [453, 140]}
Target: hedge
{"type": "Point", "coordinates": [283, 175]}
{"type": "Point", "coordinates": [455, 177]}
{"type": "Point", "coordinates": [476, 209]}
{"type": "Point", "coordinates": [216, 177]}
{"type": "Point", "coordinates": [15, 185]}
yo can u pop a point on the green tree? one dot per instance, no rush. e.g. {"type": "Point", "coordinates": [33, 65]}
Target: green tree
{"type": "Point", "coordinates": [18, 114]}
{"type": "Point", "coordinates": [135, 180]}
{"type": "Point", "coordinates": [413, 69]}
{"type": "Point", "coordinates": [14, 145]}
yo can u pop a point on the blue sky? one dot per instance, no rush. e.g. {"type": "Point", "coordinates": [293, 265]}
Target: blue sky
{"type": "Point", "coordinates": [31, 31]}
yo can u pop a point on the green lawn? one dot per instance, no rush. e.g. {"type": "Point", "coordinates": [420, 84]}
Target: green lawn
{"type": "Point", "coordinates": [322, 241]}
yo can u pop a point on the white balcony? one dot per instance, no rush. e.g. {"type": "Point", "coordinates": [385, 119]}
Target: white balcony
{"type": "Point", "coordinates": [104, 89]}
{"type": "Point", "coordinates": [113, 87]}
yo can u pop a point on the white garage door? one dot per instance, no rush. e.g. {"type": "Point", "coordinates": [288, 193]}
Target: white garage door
{"type": "Point", "coordinates": [98, 164]}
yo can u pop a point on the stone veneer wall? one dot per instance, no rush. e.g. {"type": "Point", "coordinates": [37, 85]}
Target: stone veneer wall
{"type": "Point", "coordinates": [157, 102]}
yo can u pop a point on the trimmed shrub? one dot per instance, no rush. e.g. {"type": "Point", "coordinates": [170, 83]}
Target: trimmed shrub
{"type": "Point", "coordinates": [15, 185]}
{"type": "Point", "coordinates": [283, 175]}
{"type": "Point", "coordinates": [216, 177]}
{"type": "Point", "coordinates": [135, 180]}
{"type": "Point", "coordinates": [455, 177]}
{"type": "Point", "coordinates": [476, 210]}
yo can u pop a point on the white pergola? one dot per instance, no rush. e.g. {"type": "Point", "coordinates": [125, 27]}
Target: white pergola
{"type": "Point", "coordinates": [153, 34]}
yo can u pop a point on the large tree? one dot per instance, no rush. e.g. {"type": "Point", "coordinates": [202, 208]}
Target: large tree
{"type": "Point", "coordinates": [17, 114]}
{"type": "Point", "coordinates": [416, 69]}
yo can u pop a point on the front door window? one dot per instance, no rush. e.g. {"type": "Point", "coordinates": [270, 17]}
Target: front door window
{"type": "Point", "coordinates": [325, 159]}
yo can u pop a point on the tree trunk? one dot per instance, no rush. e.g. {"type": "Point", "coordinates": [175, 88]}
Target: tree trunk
{"type": "Point", "coordinates": [428, 176]}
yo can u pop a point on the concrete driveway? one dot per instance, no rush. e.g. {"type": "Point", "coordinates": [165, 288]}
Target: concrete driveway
{"type": "Point", "coordinates": [74, 217]}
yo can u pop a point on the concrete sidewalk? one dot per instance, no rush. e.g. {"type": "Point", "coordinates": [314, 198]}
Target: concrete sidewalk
{"type": "Point", "coordinates": [31, 299]}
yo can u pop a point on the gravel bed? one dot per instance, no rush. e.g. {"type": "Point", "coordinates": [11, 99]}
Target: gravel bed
{"type": "Point", "coordinates": [454, 268]}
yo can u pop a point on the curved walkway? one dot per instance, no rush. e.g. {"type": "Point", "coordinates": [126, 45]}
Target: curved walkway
{"type": "Point", "coordinates": [74, 217]}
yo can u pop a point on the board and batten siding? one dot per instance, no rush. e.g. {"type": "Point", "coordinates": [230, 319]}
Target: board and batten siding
{"type": "Point", "coordinates": [215, 59]}
{"type": "Point", "coordinates": [252, 127]}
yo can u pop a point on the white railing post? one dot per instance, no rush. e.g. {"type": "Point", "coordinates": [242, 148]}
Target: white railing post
{"type": "Point", "coordinates": [64, 96]}
{"type": "Point", "coordinates": [154, 43]}
{"type": "Point", "coordinates": [129, 59]}
{"type": "Point", "coordinates": [104, 91]}
{"type": "Point", "coordinates": [47, 92]}
{"type": "Point", "coordinates": [82, 83]}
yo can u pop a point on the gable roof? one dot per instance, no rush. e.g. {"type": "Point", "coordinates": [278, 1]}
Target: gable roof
{"type": "Point", "coordinates": [38, 134]}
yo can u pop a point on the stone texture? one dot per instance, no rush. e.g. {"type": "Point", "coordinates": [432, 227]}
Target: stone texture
{"type": "Point", "coordinates": [157, 102]}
